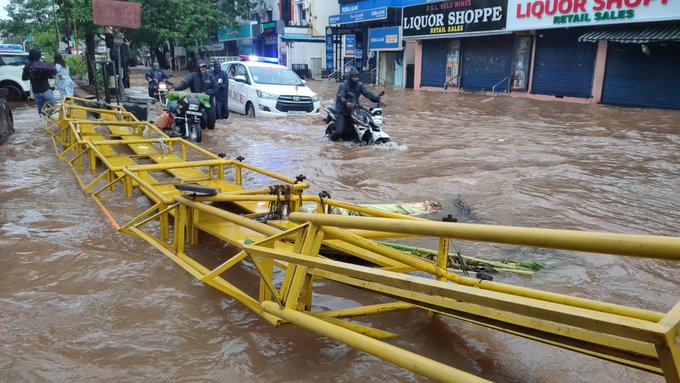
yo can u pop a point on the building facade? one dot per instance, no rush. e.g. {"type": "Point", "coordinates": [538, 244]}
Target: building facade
{"type": "Point", "coordinates": [620, 52]}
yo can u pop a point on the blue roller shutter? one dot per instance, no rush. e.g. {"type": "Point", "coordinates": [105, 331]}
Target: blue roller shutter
{"type": "Point", "coordinates": [434, 63]}
{"type": "Point", "coordinates": [633, 78]}
{"type": "Point", "coordinates": [564, 66]}
{"type": "Point", "coordinates": [486, 62]}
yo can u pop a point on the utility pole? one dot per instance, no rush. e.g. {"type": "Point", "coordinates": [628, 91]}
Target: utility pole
{"type": "Point", "coordinates": [56, 23]}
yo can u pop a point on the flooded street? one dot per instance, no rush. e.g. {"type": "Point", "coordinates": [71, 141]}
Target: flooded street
{"type": "Point", "coordinates": [80, 302]}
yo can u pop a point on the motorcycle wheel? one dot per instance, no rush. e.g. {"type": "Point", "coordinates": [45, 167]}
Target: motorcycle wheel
{"type": "Point", "coordinates": [195, 133]}
{"type": "Point", "coordinates": [330, 129]}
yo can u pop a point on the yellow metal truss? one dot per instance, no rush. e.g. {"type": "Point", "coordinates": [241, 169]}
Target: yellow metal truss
{"type": "Point", "coordinates": [108, 147]}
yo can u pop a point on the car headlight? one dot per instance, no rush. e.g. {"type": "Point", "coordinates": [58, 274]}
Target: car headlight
{"type": "Point", "coordinates": [266, 95]}
{"type": "Point", "coordinates": [315, 97]}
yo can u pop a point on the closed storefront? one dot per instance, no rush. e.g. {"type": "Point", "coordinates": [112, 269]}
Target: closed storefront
{"type": "Point", "coordinates": [487, 63]}
{"type": "Point", "coordinates": [442, 28]}
{"type": "Point", "coordinates": [642, 65]}
{"type": "Point", "coordinates": [564, 67]}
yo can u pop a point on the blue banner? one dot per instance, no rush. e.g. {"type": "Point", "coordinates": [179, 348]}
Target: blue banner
{"type": "Point", "coordinates": [350, 45]}
{"type": "Point", "coordinates": [329, 49]}
{"type": "Point", "coordinates": [244, 31]}
{"type": "Point", "coordinates": [380, 39]}
{"type": "Point", "coordinates": [355, 17]}
{"type": "Point", "coordinates": [363, 5]}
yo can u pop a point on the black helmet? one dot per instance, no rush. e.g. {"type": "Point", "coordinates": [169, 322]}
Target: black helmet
{"type": "Point", "coordinates": [216, 65]}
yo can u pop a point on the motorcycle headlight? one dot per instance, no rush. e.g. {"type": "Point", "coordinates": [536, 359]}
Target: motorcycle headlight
{"type": "Point", "coordinates": [315, 97]}
{"type": "Point", "coordinates": [266, 95]}
{"type": "Point", "coordinates": [193, 106]}
{"type": "Point", "coordinates": [162, 86]}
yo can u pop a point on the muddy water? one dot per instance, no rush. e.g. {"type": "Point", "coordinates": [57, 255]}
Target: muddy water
{"type": "Point", "coordinates": [80, 302]}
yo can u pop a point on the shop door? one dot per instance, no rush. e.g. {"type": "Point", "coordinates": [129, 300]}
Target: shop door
{"type": "Point", "coordinates": [486, 62]}
{"type": "Point", "coordinates": [434, 63]}
{"type": "Point", "coordinates": [390, 67]}
{"type": "Point", "coordinates": [564, 66]}
{"type": "Point", "coordinates": [636, 78]}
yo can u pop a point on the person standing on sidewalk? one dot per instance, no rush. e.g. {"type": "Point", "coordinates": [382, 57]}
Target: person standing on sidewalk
{"type": "Point", "coordinates": [63, 79]}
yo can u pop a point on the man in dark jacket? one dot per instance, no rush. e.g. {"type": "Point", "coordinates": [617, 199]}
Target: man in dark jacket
{"type": "Point", "coordinates": [42, 91]}
{"type": "Point", "coordinates": [154, 76]}
{"type": "Point", "coordinates": [346, 99]}
{"type": "Point", "coordinates": [201, 81]}
{"type": "Point", "coordinates": [222, 92]}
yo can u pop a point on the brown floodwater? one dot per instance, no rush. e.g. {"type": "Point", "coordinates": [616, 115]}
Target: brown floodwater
{"type": "Point", "coordinates": [80, 302]}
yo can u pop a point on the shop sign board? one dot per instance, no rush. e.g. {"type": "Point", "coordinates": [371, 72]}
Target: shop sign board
{"type": "Point", "coordinates": [454, 17]}
{"type": "Point", "coordinates": [542, 14]}
{"type": "Point", "coordinates": [384, 39]}
{"type": "Point", "coordinates": [244, 31]}
{"type": "Point", "coordinates": [358, 16]}
{"type": "Point", "coordinates": [120, 14]}
{"type": "Point", "coordinates": [350, 45]}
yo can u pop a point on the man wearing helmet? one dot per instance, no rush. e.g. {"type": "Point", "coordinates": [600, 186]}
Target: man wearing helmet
{"type": "Point", "coordinates": [346, 99]}
{"type": "Point", "coordinates": [202, 82]}
{"type": "Point", "coordinates": [154, 76]}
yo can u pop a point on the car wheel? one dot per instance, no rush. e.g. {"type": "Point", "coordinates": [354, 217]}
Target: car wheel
{"type": "Point", "coordinates": [250, 110]}
{"type": "Point", "coordinates": [13, 93]}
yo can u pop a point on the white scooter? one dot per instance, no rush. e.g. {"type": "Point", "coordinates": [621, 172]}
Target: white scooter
{"type": "Point", "coordinates": [366, 124]}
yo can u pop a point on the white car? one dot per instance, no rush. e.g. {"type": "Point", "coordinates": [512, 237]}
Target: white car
{"type": "Point", "coordinates": [261, 88]}
{"type": "Point", "coordinates": [13, 58]}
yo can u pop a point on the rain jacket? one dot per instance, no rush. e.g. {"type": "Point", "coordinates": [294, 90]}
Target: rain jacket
{"type": "Point", "coordinates": [155, 74]}
{"type": "Point", "coordinates": [222, 88]}
{"type": "Point", "coordinates": [350, 91]}
{"type": "Point", "coordinates": [198, 82]}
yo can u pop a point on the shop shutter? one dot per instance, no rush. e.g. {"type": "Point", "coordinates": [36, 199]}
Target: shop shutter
{"type": "Point", "coordinates": [633, 78]}
{"type": "Point", "coordinates": [434, 63]}
{"type": "Point", "coordinates": [487, 62]}
{"type": "Point", "coordinates": [564, 66]}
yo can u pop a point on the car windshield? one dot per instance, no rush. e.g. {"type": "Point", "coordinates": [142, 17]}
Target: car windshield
{"type": "Point", "coordinates": [275, 76]}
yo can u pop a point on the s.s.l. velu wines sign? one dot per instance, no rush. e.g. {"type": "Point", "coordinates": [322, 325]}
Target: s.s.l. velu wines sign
{"type": "Point", "coordinates": [454, 17]}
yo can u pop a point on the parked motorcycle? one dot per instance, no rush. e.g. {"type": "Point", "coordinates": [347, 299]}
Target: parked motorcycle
{"type": "Point", "coordinates": [366, 124]}
{"type": "Point", "coordinates": [186, 111]}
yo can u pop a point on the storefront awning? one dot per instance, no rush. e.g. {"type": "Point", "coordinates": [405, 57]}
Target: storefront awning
{"type": "Point", "coordinates": [634, 35]}
{"type": "Point", "coordinates": [293, 37]}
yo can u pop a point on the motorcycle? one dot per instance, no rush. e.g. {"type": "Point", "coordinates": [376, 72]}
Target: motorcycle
{"type": "Point", "coordinates": [366, 124]}
{"type": "Point", "coordinates": [161, 90]}
{"type": "Point", "coordinates": [186, 111]}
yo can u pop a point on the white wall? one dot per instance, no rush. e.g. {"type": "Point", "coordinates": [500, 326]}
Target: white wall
{"type": "Point", "coordinates": [320, 11]}
{"type": "Point", "coordinates": [301, 52]}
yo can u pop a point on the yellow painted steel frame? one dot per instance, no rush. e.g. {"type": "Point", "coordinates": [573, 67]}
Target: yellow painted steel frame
{"type": "Point", "coordinates": [92, 134]}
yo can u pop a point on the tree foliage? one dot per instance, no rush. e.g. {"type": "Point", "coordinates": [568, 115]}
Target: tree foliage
{"type": "Point", "coordinates": [184, 22]}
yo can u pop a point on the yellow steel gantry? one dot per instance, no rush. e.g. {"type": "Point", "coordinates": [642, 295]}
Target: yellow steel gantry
{"type": "Point", "coordinates": [119, 150]}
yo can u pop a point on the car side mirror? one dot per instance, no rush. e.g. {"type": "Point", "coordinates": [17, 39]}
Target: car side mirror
{"type": "Point", "coordinates": [240, 78]}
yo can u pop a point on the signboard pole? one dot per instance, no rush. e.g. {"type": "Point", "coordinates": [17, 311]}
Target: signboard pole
{"type": "Point", "coordinates": [377, 68]}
